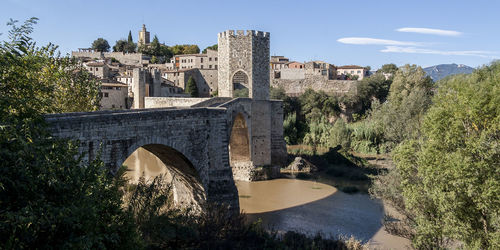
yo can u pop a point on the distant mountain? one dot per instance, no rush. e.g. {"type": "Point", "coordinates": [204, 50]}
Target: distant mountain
{"type": "Point", "coordinates": [440, 71]}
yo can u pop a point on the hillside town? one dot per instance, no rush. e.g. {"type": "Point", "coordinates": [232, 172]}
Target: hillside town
{"type": "Point", "coordinates": [125, 74]}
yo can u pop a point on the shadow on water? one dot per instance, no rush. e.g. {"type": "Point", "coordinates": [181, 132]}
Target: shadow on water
{"type": "Point", "coordinates": [336, 214]}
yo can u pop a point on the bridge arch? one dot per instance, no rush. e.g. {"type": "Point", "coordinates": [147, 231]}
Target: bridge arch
{"type": "Point", "coordinates": [188, 187]}
{"type": "Point", "coordinates": [239, 146]}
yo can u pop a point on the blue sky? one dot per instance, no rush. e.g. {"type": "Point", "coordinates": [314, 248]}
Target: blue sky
{"type": "Point", "coordinates": [340, 32]}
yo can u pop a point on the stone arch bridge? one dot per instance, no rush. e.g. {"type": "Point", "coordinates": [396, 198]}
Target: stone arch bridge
{"type": "Point", "coordinates": [207, 146]}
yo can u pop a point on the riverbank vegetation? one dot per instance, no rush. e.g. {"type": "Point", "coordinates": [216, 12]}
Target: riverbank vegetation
{"type": "Point", "coordinates": [444, 140]}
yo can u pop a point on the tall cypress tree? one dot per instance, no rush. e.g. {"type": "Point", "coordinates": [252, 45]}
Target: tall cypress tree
{"type": "Point", "coordinates": [191, 87]}
{"type": "Point", "coordinates": [130, 36]}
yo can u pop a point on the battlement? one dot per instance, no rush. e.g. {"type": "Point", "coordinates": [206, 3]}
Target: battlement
{"type": "Point", "coordinates": [239, 33]}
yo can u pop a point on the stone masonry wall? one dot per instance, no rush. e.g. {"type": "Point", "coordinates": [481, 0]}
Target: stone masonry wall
{"type": "Point", "coordinates": [198, 135]}
{"type": "Point", "coordinates": [124, 58]}
{"type": "Point", "coordinates": [278, 146]}
{"type": "Point", "coordinates": [296, 87]}
{"type": "Point", "coordinates": [247, 52]}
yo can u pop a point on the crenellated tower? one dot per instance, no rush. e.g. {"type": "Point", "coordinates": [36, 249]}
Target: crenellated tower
{"type": "Point", "coordinates": [243, 59]}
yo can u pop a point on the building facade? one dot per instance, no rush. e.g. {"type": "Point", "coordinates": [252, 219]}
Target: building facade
{"type": "Point", "coordinates": [353, 70]}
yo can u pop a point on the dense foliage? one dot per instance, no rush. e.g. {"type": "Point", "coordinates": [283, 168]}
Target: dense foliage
{"type": "Point", "coordinates": [160, 53]}
{"type": "Point", "coordinates": [456, 163]}
{"type": "Point", "coordinates": [49, 197]}
{"type": "Point", "coordinates": [124, 46]}
{"type": "Point", "coordinates": [185, 49]}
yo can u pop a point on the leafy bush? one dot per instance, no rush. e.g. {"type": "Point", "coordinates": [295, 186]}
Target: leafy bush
{"type": "Point", "coordinates": [340, 134]}
{"type": "Point", "coordinates": [50, 197]}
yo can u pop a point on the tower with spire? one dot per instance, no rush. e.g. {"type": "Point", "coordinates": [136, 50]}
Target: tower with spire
{"type": "Point", "coordinates": [143, 36]}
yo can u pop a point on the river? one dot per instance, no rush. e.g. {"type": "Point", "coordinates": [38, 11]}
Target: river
{"type": "Point", "coordinates": [311, 207]}
{"type": "Point", "coordinates": [293, 204]}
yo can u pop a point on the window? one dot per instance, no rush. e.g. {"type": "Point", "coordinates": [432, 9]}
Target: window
{"type": "Point", "coordinates": [216, 59]}
{"type": "Point", "coordinates": [359, 71]}
{"type": "Point", "coordinates": [201, 60]}
{"type": "Point", "coordinates": [209, 66]}
{"type": "Point", "coordinates": [96, 69]}
{"type": "Point", "coordinates": [210, 59]}
{"type": "Point", "coordinates": [201, 66]}
{"type": "Point", "coordinates": [215, 66]}
{"type": "Point", "coordinates": [352, 71]}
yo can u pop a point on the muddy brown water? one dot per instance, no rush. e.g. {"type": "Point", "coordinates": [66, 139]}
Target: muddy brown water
{"type": "Point", "coordinates": [311, 207]}
{"type": "Point", "coordinates": [299, 205]}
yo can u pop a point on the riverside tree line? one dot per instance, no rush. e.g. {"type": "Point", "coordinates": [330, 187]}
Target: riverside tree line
{"type": "Point", "coordinates": [444, 138]}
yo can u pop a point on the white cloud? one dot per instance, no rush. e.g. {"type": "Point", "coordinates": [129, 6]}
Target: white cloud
{"type": "Point", "coordinates": [375, 41]}
{"type": "Point", "coordinates": [413, 50]}
{"type": "Point", "coordinates": [430, 31]}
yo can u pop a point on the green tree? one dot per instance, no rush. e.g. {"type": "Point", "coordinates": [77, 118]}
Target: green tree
{"type": "Point", "coordinates": [50, 197]}
{"type": "Point", "coordinates": [129, 39]}
{"type": "Point", "coordinates": [120, 46]}
{"type": "Point", "coordinates": [389, 68]}
{"type": "Point", "coordinates": [101, 45]}
{"type": "Point", "coordinates": [316, 105]}
{"type": "Point", "coordinates": [290, 132]}
{"type": "Point", "coordinates": [161, 52]}
{"type": "Point", "coordinates": [213, 47]}
{"type": "Point", "coordinates": [450, 176]}
{"type": "Point", "coordinates": [185, 49]}
{"type": "Point", "coordinates": [340, 135]}
{"type": "Point", "coordinates": [370, 88]}
{"type": "Point", "coordinates": [318, 135]}
{"type": "Point", "coordinates": [191, 87]}
{"type": "Point", "coordinates": [409, 98]}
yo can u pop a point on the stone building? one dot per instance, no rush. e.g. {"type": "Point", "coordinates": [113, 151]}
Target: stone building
{"type": "Point", "coordinates": [244, 63]}
{"type": "Point", "coordinates": [194, 61]}
{"type": "Point", "coordinates": [279, 62]}
{"type": "Point", "coordinates": [320, 69]}
{"type": "Point", "coordinates": [206, 79]}
{"type": "Point", "coordinates": [98, 69]}
{"type": "Point", "coordinates": [114, 95]}
{"type": "Point", "coordinates": [295, 65]}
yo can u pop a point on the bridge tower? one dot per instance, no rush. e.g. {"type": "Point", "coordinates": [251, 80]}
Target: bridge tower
{"type": "Point", "coordinates": [243, 60]}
